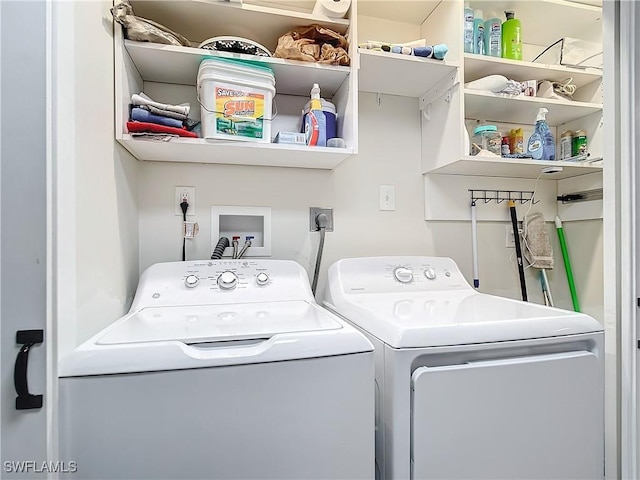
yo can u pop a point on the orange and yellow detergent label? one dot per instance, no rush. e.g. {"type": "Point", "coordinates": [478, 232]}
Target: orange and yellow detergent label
{"type": "Point", "coordinates": [239, 112]}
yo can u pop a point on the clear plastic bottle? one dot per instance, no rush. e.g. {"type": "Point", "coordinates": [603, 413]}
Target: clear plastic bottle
{"type": "Point", "coordinates": [468, 28]}
{"type": "Point", "coordinates": [542, 145]}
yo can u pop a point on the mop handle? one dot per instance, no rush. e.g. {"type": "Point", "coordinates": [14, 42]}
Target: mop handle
{"type": "Point", "coordinates": [516, 237]}
{"type": "Point", "coordinates": [474, 241]}
{"type": "Point", "coordinates": [567, 264]}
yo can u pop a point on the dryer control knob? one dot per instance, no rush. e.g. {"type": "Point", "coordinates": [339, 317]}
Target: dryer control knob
{"type": "Point", "coordinates": [262, 279]}
{"type": "Point", "coordinates": [430, 273]}
{"type": "Point", "coordinates": [227, 281]}
{"type": "Point", "coordinates": [403, 275]}
{"type": "Point", "coordinates": [191, 281]}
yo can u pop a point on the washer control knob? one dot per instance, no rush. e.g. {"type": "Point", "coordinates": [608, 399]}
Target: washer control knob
{"type": "Point", "coordinates": [262, 279]}
{"type": "Point", "coordinates": [191, 281]}
{"type": "Point", "coordinates": [227, 281]}
{"type": "Point", "coordinates": [403, 275]}
{"type": "Point", "coordinates": [430, 273]}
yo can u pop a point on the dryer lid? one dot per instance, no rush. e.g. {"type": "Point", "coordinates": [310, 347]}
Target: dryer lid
{"type": "Point", "coordinates": [450, 318]}
{"type": "Point", "coordinates": [217, 323]}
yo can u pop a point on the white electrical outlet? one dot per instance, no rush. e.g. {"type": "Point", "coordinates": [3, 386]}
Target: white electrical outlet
{"type": "Point", "coordinates": [510, 241]}
{"type": "Point", "coordinates": [188, 194]}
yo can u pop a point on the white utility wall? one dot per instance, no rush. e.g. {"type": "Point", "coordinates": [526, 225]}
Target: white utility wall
{"type": "Point", "coordinates": [389, 155]}
{"type": "Point", "coordinates": [96, 179]}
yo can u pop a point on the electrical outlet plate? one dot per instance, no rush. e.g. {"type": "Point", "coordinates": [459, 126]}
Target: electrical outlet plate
{"type": "Point", "coordinates": [510, 241]}
{"type": "Point", "coordinates": [180, 193]}
{"type": "Point", "coordinates": [314, 212]}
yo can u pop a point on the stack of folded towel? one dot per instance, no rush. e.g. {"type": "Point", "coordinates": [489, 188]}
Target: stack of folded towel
{"type": "Point", "coordinates": [150, 118]}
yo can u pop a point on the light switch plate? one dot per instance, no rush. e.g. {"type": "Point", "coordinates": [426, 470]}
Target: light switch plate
{"type": "Point", "coordinates": [387, 198]}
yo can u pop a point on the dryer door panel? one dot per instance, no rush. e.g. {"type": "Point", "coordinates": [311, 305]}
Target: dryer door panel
{"type": "Point", "coordinates": [536, 417]}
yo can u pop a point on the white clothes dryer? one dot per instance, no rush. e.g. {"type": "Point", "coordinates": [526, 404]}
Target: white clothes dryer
{"type": "Point", "coordinates": [221, 370]}
{"type": "Point", "coordinates": [469, 385]}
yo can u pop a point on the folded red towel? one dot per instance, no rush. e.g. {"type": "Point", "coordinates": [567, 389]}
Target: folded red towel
{"type": "Point", "coordinates": [155, 128]}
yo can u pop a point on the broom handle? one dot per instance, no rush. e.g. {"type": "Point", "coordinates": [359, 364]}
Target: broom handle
{"type": "Point", "coordinates": [516, 237]}
{"type": "Point", "coordinates": [567, 264]}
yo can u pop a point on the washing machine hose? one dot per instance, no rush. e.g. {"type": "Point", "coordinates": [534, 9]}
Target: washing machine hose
{"type": "Point", "coordinates": [219, 250]}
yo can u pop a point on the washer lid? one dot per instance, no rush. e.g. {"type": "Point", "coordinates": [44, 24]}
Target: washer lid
{"type": "Point", "coordinates": [217, 323]}
{"type": "Point", "coordinates": [456, 318]}
{"type": "Point", "coordinates": [157, 339]}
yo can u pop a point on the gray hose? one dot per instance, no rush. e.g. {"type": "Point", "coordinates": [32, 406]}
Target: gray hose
{"type": "Point", "coordinates": [321, 222]}
{"type": "Point", "coordinates": [247, 244]}
{"type": "Point", "coordinates": [219, 250]}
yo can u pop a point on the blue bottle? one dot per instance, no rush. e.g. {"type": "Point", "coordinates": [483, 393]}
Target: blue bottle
{"type": "Point", "coordinates": [493, 37]}
{"type": "Point", "coordinates": [478, 33]}
{"type": "Point", "coordinates": [468, 28]}
{"type": "Point", "coordinates": [542, 145]}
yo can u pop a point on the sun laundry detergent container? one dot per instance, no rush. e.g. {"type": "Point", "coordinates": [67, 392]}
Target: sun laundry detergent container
{"type": "Point", "coordinates": [235, 99]}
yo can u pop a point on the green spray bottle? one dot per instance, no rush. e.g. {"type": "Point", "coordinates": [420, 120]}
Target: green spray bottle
{"type": "Point", "coordinates": [511, 37]}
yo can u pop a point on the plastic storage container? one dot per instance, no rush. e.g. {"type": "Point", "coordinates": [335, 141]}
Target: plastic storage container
{"type": "Point", "coordinates": [236, 99]}
{"type": "Point", "coordinates": [487, 137]}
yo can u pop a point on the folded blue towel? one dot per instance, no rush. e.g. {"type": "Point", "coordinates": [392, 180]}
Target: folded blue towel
{"type": "Point", "coordinates": [142, 115]}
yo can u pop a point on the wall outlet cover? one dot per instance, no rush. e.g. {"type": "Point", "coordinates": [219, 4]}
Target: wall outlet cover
{"type": "Point", "coordinates": [185, 192]}
{"type": "Point", "coordinates": [314, 212]}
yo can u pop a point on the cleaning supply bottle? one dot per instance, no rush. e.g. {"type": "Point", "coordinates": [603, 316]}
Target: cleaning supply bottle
{"type": "Point", "coordinates": [518, 140]}
{"type": "Point", "coordinates": [478, 33]}
{"type": "Point", "coordinates": [542, 145]}
{"type": "Point", "coordinates": [493, 36]}
{"type": "Point", "coordinates": [511, 37]}
{"type": "Point", "coordinates": [315, 127]}
{"type": "Point", "coordinates": [468, 28]}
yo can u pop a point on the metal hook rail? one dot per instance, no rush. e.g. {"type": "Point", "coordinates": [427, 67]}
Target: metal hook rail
{"type": "Point", "coordinates": [499, 196]}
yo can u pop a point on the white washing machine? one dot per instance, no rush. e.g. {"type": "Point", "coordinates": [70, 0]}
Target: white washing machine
{"type": "Point", "coordinates": [473, 386]}
{"type": "Point", "coordinates": [221, 370]}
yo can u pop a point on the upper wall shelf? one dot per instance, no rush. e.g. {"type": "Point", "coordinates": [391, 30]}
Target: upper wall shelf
{"type": "Point", "coordinates": [478, 66]}
{"type": "Point", "coordinates": [412, 11]}
{"type": "Point", "coordinates": [515, 168]}
{"type": "Point", "coordinates": [199, 150]}
{"type": "Point", "coordinates": [179, 65]}
{"type": "Point", "coordinates": [523, 110]}
{"type": "Point", "coordinates": [412, 76]}
{"type": "Point", "coordinates": [546, 21]}
{"type": "Point", "coordinates": [201, 19]}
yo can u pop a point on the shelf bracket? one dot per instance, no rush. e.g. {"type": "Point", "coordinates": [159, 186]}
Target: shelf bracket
{"type": "Point", "coordinates": [443, 88]}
